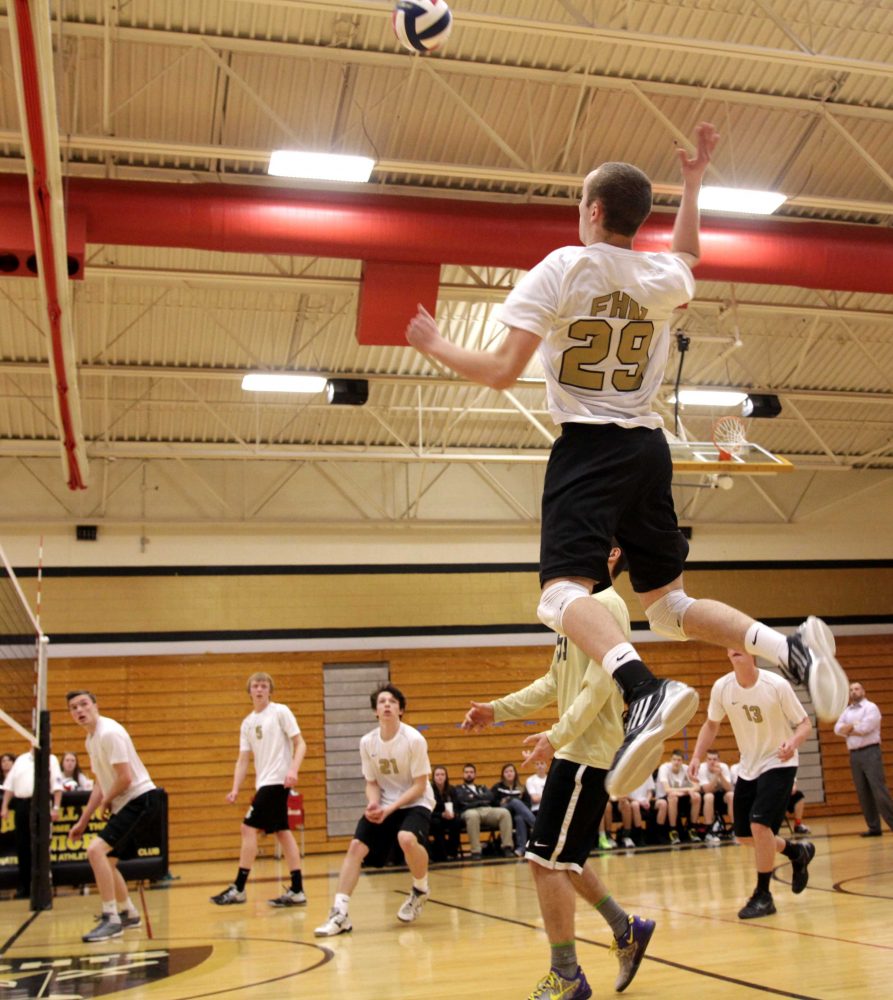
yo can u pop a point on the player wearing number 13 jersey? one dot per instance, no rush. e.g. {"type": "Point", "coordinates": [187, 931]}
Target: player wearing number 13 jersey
{"type": "Point", "coordinates": [598, 315]}
{"type": "Point", "coordinates": [399, 802]}
{"type": "Point", "coordinates": [770, 725]}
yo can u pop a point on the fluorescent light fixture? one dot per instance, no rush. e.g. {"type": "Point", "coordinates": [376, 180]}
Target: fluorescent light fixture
{"type": "Point", "coordinates": [739, 200]}
{"type": "Point", "coordinates": [710, 397]}
{"type": "Point", "coordinates": [319, 166]}
{"type": "Point", "coordinates": [274, 382]}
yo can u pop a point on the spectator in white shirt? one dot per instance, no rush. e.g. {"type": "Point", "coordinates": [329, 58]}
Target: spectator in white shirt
{"type": "Point", "coordinates": [682, 795]}
{"type": "Point", "coordinates": [635, 809]}
{"type": "Point", "coordinates": [715, 780]}
{"type": "Point", "coordinates": [860, 723]}
{"type": "Point", "coordinates": [18, 790]}
{"type": "Point", "coordinates": [535, 785]}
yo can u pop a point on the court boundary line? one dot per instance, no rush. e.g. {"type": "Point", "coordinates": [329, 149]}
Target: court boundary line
{"type": "Point", "coordinates": [648, 958]}
{"type": "Point", "coordinates": [12, 940]}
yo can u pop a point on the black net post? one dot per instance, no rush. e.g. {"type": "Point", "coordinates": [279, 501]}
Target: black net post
{"type": "Point", "coordinates": [41, 826]}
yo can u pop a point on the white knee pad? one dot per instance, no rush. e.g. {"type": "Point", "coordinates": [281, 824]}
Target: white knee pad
{"type": "Point", "coordinates": [667, 613]}
{"type": "Point", "coordinates": [555, 600]}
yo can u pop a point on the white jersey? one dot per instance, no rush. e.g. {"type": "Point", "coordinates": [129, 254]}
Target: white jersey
{"type": "Point", "coordinates": [603, 313]}
{"type": "Point", "coordinates": [535, 784]}
{"type": "Point", "coordinates": [762, 716]}
{"type": "Point", "coordinates": [668, 778]}
{"type": "Point", "coordinates": [268, 735]}
{"type": "Point", "coordinates": [394, 764]}
{"type": "Point", "coordinates": [110, 744]}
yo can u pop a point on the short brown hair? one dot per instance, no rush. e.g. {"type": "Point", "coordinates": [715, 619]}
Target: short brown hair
{"type": "Point", "coordinates": [625, 194]}
{"type": "Point", "coordinates": [391, 689]}
{"type": "Point", "coordinates": [259, 675]}
{"type": "Point", "coordinates": [76, 694]}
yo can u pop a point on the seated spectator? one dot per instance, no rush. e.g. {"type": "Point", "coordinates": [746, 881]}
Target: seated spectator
{"type": "Point", "coordinates": [636, 809]}
{"type": "Point", "coordinates": [73, 778]}
{"type": "Point", "coordinates": [535, 784]}
{"type": "Point", "coordinates": [477, 810]}
{"type": "Point", "coordinates": [509, 793]}
{"type": "Point", "coordinates": [446, 827]}
{"type": "Point", "coordinates": [796, 808]}
{"type": "Point", "coordinates": [715, 780]}
{"type": "Point", "coordinates": [6, 762]}
{"type": "Point", "coordinates": [683, 798]}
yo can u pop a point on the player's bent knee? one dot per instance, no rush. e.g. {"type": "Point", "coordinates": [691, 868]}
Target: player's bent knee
{"type": "Point", "coordinates": [666, 615]}
{"type": "Point", "coordinates": [555, 600]}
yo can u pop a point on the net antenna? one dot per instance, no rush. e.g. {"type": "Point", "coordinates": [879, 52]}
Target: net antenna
{"type": "Point", "coordinates": [729, 436]}
{"type": "Point", "coordinates": [23, 659]}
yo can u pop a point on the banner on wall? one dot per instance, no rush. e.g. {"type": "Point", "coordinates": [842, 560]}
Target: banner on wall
{"type": "Point", "coordinates": [68, 863]}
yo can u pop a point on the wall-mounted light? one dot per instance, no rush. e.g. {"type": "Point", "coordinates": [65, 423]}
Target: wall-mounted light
{"type": "Point", "coordinates": [280, 382]}
{"type": "Point", "coordinates": [740, 201]}
{"type": "Point", "coordinates": [710, 397]}
{"type": "Point", "coordinates": [320, 166]}
{"type": "Point", "coordinates": [761, 405]}
{"type": "Point", "coordinates": [347, 391]}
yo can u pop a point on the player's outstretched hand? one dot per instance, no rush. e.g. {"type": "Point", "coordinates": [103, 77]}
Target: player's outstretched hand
{"type": "Point", "coordinates": [693, 767]}
{"type": "Point", "coordinates": [693, 167]}
{"type": "Point", "coordinates": [478, 717]}
{"type": "Point", "coordinates": [232, 796]}
{"type": "Point", "coordinates": [422, 332]}
{"type": "Point", "coordinates": [541, 749]}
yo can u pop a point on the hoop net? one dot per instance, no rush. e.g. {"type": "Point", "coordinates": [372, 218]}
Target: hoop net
{"type": "Point", "coordinates": [729, 436]}
{"type": "Point", "coordinates": [22, 658]}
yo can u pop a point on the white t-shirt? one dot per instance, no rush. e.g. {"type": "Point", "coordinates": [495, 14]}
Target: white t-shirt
{"type": "Point", "coordinates": [705, 777]}
{"type": "Point", "coordinates": [762, 718]}
{"type": "Point", "coordinates": [110, 744]}
{"type": "Point", "coordinates": [644, 792]}
{"type": "Point", "coordinates": [733, 771]}
{"type": "Point", "coordinates": [603, 315]}
{"type": "Point", "coordinates": [668, 778]}
{"type": "Point", "coordinates": [394, 764]}
{"type": "Point", "coordinates": [21, 776]}
{"type": "Point", "coordinates": [268, 735]}
{"type": "Point", "coordinates": [535, 784]}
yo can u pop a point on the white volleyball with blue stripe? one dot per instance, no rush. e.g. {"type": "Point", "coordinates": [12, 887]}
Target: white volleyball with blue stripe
{"type": "Point", "coordinates": [422, 25]}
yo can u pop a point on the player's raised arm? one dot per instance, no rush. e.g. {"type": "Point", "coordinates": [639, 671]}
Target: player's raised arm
{"type": "Point", "coordinates": [686, 241]}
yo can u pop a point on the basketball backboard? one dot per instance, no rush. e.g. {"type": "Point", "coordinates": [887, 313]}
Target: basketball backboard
{"type": "Point", "coordinates": [703, 457]}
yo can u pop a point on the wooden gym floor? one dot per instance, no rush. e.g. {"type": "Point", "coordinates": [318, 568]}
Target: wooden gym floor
{"type": "Point", "coordinates": [480, 934]}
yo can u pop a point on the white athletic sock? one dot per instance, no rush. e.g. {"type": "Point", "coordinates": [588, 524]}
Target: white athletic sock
{"type": "Point", "coordinates": [760, 640]}
{"type": "Point", "coordinates": [621, 654]}
{"type": "Point", "coordinates": [128, 908]}
{"type": "Point", "coordinates": [111, 911]}
{"type": "Point", "coordinates": [342, 901]}
{"type": "Point", "coordinates": [420, 884]}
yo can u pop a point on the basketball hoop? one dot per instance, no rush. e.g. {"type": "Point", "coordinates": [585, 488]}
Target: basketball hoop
{"type": "Point", "coordinates": [729, 436]}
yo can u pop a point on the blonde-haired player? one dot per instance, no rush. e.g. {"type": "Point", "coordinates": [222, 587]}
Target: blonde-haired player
{"type": "Point", "coordinates": [270, 733]}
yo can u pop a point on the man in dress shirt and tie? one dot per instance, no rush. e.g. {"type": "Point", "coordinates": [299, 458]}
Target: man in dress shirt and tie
{"type": "Point", "coordinates": [860, 723]}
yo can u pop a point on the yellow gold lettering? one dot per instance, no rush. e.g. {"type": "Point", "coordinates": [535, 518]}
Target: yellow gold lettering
{"type": "Point", "coordinates": [600, 304]}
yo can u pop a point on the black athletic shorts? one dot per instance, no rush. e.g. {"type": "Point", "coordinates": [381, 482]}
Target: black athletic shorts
{"type": "Point", "coordinates": [566, 828]}
{"type": "Point", "coordinates": [683, 806]}
{"type": "Point", "coordinates": [120, 831]}
{"type": "Point", "coordinates": [605, 481]}
{"type": "Point", "coordinates": [380, 838]}
{"type": "Point", "coordinates": [269, 809]}
{"type": "Point", "coordinates": [763, 800]}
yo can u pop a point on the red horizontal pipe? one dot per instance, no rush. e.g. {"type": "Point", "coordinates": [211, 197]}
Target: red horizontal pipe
{"type": "Point", "coordinates": [435, 230]}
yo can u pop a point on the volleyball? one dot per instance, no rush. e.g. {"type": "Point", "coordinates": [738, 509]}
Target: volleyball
{"type": "Point", "coordinates": [422, 25]}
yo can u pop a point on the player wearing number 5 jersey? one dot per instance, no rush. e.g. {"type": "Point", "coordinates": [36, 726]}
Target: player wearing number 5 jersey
{"type": "Point", "coordinates": [398, 811]}
{"type": "Point", "coordinates": [598, 315]}
{"type": "Point", "coordinates": [769, 724]}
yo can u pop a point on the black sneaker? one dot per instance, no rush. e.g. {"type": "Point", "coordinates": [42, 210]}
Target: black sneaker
{"type": "Point", "coordinates": [760, 904]}
{"type": "Point", "coordinates": [650, 719]}
{"type": "Point", "coordinates": [812, 663]}
{"type": "Point", "coordinates": [800, 866]}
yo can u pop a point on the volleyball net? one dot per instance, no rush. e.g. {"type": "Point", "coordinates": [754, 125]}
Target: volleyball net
{"type": "Point", "coordinates": [23, 707]}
